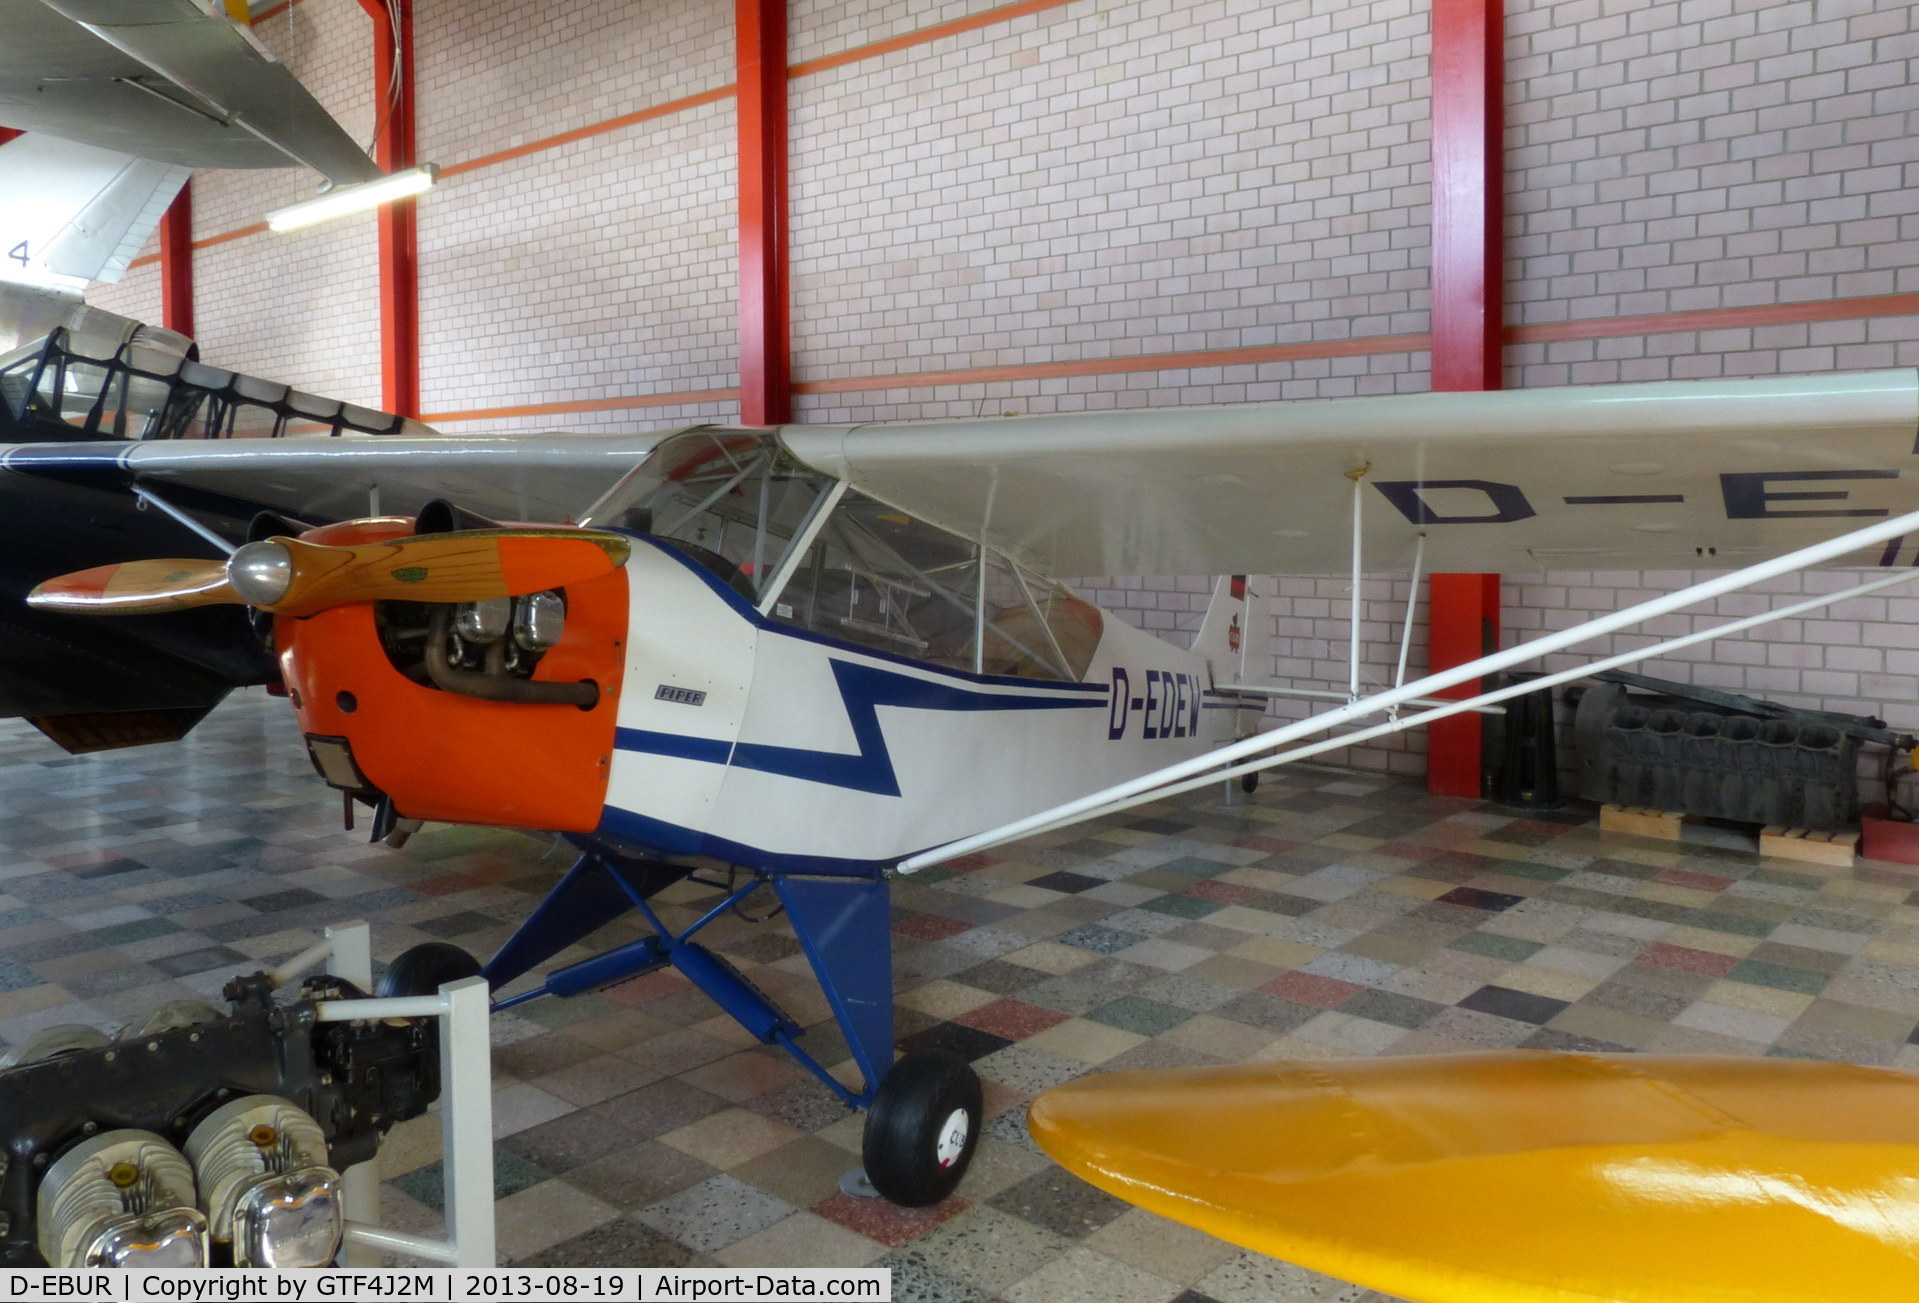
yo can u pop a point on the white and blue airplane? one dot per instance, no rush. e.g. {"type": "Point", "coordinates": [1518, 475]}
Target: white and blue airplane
{"type": "Point", "coordinates": [821, 656]}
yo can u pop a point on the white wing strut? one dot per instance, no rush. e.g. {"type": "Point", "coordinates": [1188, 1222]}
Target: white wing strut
{"type": "Point", "coordinates": [1158, 783]}
{"type": "Point", "coordinates": [1327, 694]}
{"type": "Point", "coordinates": [1412, 609]}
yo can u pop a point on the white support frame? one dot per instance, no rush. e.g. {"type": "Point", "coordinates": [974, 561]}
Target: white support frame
{"type": "Point", "coordinates": [1327, 694]}
{"type": "Point", "coordinates": [466, 1107]}
{"type": "Point", "coordinates": [1168, 781]}
{"type": "Point", "coordinates": [1358, 478]}
{"type": "Point", "coordinates": [1412, 609]}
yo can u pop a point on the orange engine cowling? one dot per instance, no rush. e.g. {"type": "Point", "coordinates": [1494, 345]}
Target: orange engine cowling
{"type": "Point", "coordinates": [448, 756]}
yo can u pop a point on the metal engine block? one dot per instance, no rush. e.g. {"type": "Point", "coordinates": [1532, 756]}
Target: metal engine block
{"type": "Point", "coordinates": [1663, 753]}
{"type": "Point", "coordinates": [355, 1079]}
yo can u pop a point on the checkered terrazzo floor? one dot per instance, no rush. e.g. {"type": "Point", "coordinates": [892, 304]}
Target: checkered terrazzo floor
{"type": "Point", "coordinates": [1331, 914]}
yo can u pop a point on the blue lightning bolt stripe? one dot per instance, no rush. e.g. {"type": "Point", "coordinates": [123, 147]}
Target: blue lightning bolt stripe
{"type": "Point", "coordinates": [863, 690]}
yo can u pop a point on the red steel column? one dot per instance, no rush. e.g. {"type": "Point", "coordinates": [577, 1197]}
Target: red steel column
{"type": "Point", "coordinates": [393, 150]}
{"type": "Point", "coordinates": [1468, 199]}
{"type": "Point", "coordinates": [1462, 625]}
{"type": "Point", "coordinates": [766, 377]}
{"type": "Point", "coordinates": [176, 263]}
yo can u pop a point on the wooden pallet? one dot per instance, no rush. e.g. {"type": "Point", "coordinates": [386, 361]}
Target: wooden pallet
{"type": "Point", "coordinates": [1834, 849]}
{"type": "Point", "coordinates": [1664, 824]}
{"type": "Point", "coordinates": [1830, 848]}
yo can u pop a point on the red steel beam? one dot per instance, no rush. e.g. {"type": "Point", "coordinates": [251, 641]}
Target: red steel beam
{"type": "Point", "coordinates": [393, 150]}
{"type": "Point", "coordinates": [1468, 197]}
{"type": "Point", "coordinates": [176, 263]}
{"type": "Point", "coordinates": [9, 133]}
{"type": "Point", "coordinates": [766, 367]}
{"type": "Point", "coordinates": [1462, 625]}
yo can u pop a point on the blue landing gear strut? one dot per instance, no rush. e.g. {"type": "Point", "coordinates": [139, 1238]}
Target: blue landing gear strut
{"type": "Point", "coordinates": [924, 1111]}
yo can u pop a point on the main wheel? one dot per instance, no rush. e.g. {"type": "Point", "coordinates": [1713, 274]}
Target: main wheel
{"type": "Point", "coordinates": [1249, 783]}
{"type": "Point", "coordinates": [922, 1128]}
{"type": "Point", "coordinates": [424, 968]}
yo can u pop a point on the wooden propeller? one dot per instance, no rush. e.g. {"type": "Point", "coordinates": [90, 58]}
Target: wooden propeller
{"type": "Point", "coordinates": [289, 577]}
{"type": "Point", "coordinates": [136, 588]}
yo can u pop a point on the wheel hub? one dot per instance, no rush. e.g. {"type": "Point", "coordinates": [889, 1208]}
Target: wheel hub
{"type": "Point", "coordinates": [952, 1138]}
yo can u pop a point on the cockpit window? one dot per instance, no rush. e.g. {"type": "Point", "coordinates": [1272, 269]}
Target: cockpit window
{"type": "Point", "coordinates": [733, 501]}
{"type": "Point", "coordinates": [883, 579]}
{"type": "Point", "coordinates": [1034, 628]}
{"type": "Point", "coordinates": [878, 577]}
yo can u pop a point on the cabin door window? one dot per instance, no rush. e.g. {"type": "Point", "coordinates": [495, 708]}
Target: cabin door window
{"type": "Point", "coordinates": [877, 577]}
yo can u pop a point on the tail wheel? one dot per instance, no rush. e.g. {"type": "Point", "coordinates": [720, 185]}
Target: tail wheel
{"type": "Point", "coordinates": [425, 968]}
{"type": "Point", "coordinates": [922, 1128]}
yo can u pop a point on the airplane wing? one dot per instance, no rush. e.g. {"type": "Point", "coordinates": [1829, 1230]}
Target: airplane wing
{"type": "Point", "coordinates": [1686, 474]}
{"type": "Point", "coordinates": [1679, 474]}
{"type": "Point", "coordinates": [176, 81]}
{"type": "Point", "coordinates": [1524, 1176]}
{"type": "Point", "coordinates": [552, 478]}
{"type": "Point", "coordinates": [71, 213]}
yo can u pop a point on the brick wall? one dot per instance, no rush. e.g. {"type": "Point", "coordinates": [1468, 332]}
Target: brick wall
{"type": "Point", "coordinates": [612, 279]}
{"type": "Point", "coordinates": [1109, 181]}
{"type": "Point", "coordinates": [302, 307]}
{"type": "Point", "coordinates": [137, 293]}
{"type": "Point", "coordinates": [598, 270]}
{"type": "Point", "coordinates": [1672, 157]}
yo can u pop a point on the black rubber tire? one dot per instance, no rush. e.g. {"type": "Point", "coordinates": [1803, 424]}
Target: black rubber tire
{"type": "Point", "coordinates": [912, 1111]}
{"type": "Point", "coordinates": [1249, 783]}
{"type": "Point", "coordinates": [424, 968]}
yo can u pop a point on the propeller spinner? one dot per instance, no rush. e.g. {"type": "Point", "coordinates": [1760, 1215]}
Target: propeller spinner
{"type": "Point", "coordinates": [289, 577]}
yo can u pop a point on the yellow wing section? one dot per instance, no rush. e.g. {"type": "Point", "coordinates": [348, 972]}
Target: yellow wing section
{"type": "Point", "coordinates": [1526, 1177]}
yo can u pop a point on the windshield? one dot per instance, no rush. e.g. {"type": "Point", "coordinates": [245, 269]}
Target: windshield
{"type": "Point", "coordinates": [732, 500]}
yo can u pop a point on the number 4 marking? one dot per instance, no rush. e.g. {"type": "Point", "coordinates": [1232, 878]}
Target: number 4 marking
{"type": "Point", "coordinates": [19, 253]}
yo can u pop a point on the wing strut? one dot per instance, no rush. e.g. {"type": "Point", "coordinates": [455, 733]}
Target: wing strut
{"type": "Point", "coordinates": [1163, 782]}
{"type": "Point", "coordinates": [1358, 478]}
{"type": "Point", "coordinates": [1412, 609]}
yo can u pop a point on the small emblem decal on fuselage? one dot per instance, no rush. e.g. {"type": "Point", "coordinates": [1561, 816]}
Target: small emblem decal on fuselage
{"type": "Point", "coordinates": [685, 696]}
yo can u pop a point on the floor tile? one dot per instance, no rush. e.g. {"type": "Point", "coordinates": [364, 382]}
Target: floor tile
{"type": "Point", "coordinates": [715, 1213]}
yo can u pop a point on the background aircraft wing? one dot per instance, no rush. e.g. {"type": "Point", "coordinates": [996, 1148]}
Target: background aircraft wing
{"type": "Point", "coordinates": [172, 80]}
{"type": "Point", "coordinates": [550, 478]}
{"type": "Point", "coordinates": [70, 213]}
{"type": "Point", "coordinates": [1685, 474]}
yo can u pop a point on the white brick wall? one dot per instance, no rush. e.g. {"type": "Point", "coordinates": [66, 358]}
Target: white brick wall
{"type": "Point", "coordinates": [1665, 157]}
{"type": "Point", "coordinates": [600, 270]}
{"type": "Point", "coordinates": [497, 76]}
{"type": "Point", "coordinates": [303, 308]}
{"type": "Point", "coordinates": [137, 293]}
{"type": "Point", "coordinates": [822, 27]}
{"type": "Point", "coordinates": [629, 421]}
{"type": "Point", "coordinates": [1116, 179]}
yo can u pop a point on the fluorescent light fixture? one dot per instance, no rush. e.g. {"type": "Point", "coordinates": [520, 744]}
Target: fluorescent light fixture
{"type": "Point", "coordinates": [343, 200]}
